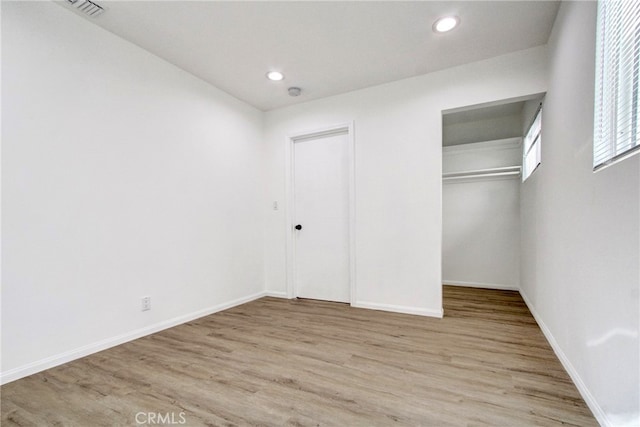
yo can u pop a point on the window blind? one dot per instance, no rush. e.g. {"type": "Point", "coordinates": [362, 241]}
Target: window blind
{"type": "Point", "coordinates": [617, 113]}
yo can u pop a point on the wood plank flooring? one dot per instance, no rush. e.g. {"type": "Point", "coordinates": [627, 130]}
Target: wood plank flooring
{"type": "Point", "coordinates": [275, 362]}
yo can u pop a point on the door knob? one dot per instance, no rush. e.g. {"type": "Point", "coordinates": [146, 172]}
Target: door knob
{"type": "Point", "coordinates": [298, 227]}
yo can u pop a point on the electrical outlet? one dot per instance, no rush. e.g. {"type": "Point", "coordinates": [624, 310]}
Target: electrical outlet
{"type": "Point", "coordinates": [146, 303]}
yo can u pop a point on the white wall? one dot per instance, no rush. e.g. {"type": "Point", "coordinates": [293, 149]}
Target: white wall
{"type": "Point", "coordinates": [123, 176]}
{"type": "Point", "coordinates": [398, 156]}
{"type": "Point", "coordinates": [469, 132]}
{"type": "Point", "coordinates": [581, 234]}
{"type": "Point", "coordinates": [481, 217]}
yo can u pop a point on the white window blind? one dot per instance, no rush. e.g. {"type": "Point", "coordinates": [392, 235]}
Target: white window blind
{"type": "Point", "coordinates": [617, 113]}
{"type": "Point", "coordinates": [531, 147]}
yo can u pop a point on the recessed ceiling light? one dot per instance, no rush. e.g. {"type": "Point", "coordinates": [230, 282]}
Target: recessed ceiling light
{"type": "Point", "coordinates": [276, 76]}
{"type": "Point", "coordinates": [446, 23]}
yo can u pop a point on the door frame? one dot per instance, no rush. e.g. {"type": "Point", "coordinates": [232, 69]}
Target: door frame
{"type": "Point", "coordinates": [290, 241]}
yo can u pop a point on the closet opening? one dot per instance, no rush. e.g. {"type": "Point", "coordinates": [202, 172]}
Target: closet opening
{"type": "Point", "coordinates": [481, 176]}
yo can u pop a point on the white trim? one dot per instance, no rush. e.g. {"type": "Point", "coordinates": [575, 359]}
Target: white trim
{"type": "Point", "coordinates": [494, 103]}
{"type": "Point", "coordinates": [289, 235]}
{"type": "Point", "coordinates": [352, 210]}
{"type": "Point", "coordinates": [291, 138]}
{"type": "Point", "coordinates": [600, 415]}
{"type": "Point", "coordinates": [634, 151]}
{"type": "Point", "coordinates": [399, 309]}
{"type": "Point", "coordinates": [276, 294]}
{"type": "Point", "coordinates": [68, 356]}
{"type": "Point", "coordinates": [481, 285]}
{"type": "Point", "coordinates": [506, 143]}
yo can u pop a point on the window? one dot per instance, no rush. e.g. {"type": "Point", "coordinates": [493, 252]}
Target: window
{"type": "Point", "coordinates": [531, 153]}
{"type": "Point", "coordinates": [616, 116]}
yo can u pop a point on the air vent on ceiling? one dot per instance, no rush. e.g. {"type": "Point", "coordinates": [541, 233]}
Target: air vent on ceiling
{"type": "Point", "coordinates": [87, 7]}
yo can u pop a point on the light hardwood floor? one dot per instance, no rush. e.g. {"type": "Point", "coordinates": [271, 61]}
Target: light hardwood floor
{"type": "Point", "coordinates": [311, 363]}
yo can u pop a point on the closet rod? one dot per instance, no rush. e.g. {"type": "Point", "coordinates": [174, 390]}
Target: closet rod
{"type": "Point", "coordinates": [483, 173]}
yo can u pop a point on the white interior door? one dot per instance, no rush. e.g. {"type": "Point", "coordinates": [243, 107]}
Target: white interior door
{"type": "Point", "coordinates": [321, 211]}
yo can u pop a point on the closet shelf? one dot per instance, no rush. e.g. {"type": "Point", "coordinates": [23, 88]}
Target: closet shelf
{"type": "Point", "coordinates": [508, 171]}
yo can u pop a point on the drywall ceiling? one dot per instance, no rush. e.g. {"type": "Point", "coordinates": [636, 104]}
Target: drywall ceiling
{"type": "Point", "coordinates": [325, 48]}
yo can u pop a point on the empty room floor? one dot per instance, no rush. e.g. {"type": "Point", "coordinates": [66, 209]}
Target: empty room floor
{"type": "Point", "coordinates": [309, 363]}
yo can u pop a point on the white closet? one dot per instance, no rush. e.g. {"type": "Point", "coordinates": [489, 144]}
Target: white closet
{"type": "Point", "coordinates": [481, 213]}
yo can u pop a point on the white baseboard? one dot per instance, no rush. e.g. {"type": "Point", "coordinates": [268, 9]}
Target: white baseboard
{"type": "Point", "coordinates": [399, 309]}
{"type": "Point", "coordinates": [59, 359]}
{"type": "Point", "coordinates": [480, 285]}
{"type": "Point", "coordinates": [276, 294]}
{"type": "Point", "coordinates": [591, 402]}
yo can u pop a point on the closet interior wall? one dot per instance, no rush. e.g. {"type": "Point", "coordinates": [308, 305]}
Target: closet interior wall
{"type": "Point", "coordinates": [481, 214]}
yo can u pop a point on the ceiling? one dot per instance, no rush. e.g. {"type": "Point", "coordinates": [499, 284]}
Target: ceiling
{"type": "Point", "coordinates": [325, 48]}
